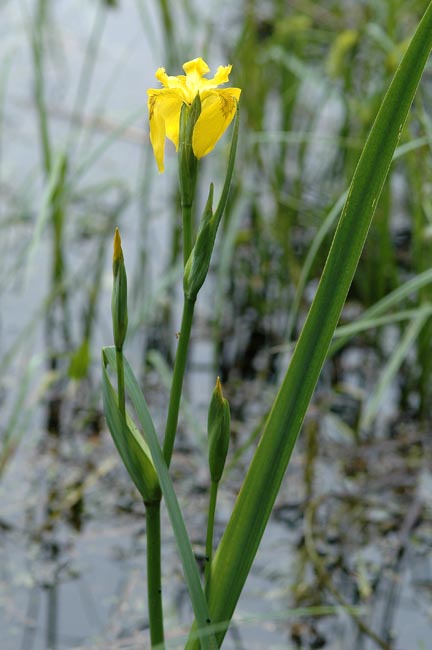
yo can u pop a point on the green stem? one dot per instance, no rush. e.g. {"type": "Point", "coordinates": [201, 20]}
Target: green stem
{"type": "Point", "coordinates": [120, 382]}
{"type": "Point", "coordinates": [177, 379]}
{"type": "Point", "coordinates": [209, 539]}
{"type": "Point", "coordinates": [187, 232]}
{"type": "Point", "coordinates": [39, 84]}
{"type": "Point", "coordinates": [154, 584]}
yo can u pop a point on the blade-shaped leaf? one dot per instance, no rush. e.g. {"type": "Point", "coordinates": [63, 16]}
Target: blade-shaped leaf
{"type": "Point", "coordinates": [252, 509]}
{"type": "Point", "coordinates": [129, 442]}
{"type": "Point", "coordinates": [199, 603]}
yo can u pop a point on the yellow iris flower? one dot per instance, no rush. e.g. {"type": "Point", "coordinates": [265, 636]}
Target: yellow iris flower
{"type": "Point", "coordinates": [218, 107]}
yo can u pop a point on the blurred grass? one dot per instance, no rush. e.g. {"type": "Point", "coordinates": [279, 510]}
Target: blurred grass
{"type": "Point", "coordinates": [301, 146]}
{"type": "Point", "coordinates": [318, 73]}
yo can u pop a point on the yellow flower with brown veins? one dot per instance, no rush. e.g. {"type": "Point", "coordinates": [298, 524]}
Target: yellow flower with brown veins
{"type": "Point", "coordinates": [218, 107]}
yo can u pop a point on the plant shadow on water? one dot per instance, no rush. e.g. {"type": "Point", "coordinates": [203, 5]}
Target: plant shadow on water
{"type": "Point", "coordinates": [345, 560]}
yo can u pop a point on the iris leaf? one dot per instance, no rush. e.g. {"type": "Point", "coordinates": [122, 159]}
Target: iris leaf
{"type": "Point", "coordinates": [239, 544]}
{"type": "Point", "coordinates": [199, 603]}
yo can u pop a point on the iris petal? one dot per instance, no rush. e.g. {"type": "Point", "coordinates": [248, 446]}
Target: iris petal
{"type": "Point", "coordinates": [218, 108]}
{"type": "Point", "coordinates": [157, 132]}
{"type": "Point", "coordinates": [196, 67]}
{"type": "Point", "coordinates": [164, 110]}
{"type": "Point", "coordinates": [222, 75]}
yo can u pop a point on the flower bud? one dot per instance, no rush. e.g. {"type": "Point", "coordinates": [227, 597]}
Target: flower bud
{"type": "Point", "coordinates": [187, 161]}
{"type": "Point", "coordinates": [197, 266]}
{"type": "Point", "coordinates": [219, 421]}
{"type": "Point", "coordinates": [119, 295]}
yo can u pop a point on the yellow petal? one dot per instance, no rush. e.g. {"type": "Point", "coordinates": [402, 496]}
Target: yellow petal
{"type": "Point", "coordinates": [218, 108]}
{"type": "Point", "coordinates": [172, 82]}
{"type": "Point", "coordinates": [169, 106]}
{"type": "Point", "coordinates": [157, 131]}
{"type": "Point", "coordinates": [222, 75]}
{"type": "Point", "coordinates": [164, 107]}
{"type": "Point", "coordinates": [162, 76]}
{"type": "Point", "coordinates": [196, 67]}
{"type": "Point", "coordinates": [194, 80]}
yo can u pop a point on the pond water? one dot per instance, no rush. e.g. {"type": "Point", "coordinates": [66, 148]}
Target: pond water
{"type": "Point", "coordinates": [72, 528]}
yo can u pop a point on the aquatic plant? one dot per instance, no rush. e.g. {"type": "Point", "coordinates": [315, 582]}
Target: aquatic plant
{"type": "Point", "coordinates": [148, 462]}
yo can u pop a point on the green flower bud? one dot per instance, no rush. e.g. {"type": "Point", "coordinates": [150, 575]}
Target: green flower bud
{"type": "Point", "coordinates": [197, 266]}
{"type": "Point", "coordinates": [119, 295]}
{"type": "Point", "coordinates": [219, 421]}
{"type": "Point", "coordinates": [188, 163]}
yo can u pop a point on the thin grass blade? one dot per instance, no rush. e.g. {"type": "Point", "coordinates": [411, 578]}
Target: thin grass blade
{"type": "Point", "coordinates": [365, 324]}
{"type": "Point", "coordinates": [407, 289]}
{"type": "Point", "coordinates": [389, 371]}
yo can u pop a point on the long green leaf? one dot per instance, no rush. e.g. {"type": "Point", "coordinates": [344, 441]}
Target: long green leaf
{"type": "Point", "coordinates": [129, 442]}
{"type": "Point", "coordinates": [199, 603]}
{"type": "Point", "coordinates": [321, 234]}
{"type": "Point", "coordinates": [324, 230]}
{"type": "Point", "coordinates": [246, 526]}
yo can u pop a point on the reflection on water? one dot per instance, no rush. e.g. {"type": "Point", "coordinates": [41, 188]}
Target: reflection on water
{"type": "Point", "coordinates": [73, 552]}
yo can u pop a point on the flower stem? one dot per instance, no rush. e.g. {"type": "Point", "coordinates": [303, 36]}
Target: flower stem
{"type": "Point", "coordinates": [209, 539]}
{"type": "Point", "coordinates": [154, 585]}
{"type": "Point", "coordinates": [120, 381]}
{"type": "Point", "coordinates": [187, 232]}
{"type": "Point", "coordinates": [177, 379]}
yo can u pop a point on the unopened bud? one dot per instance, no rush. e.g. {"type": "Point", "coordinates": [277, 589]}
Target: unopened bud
{"type": "Point", "coordinates": [119, 295]}
{"type": "Point", "coordinates": [197, 266]}
{"type": "Point", "coordinates": [187, 160]}
{"type": "Point", "coordinates": [219, 421]}
{"type": "Point", "coordinates": [117, 251]}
